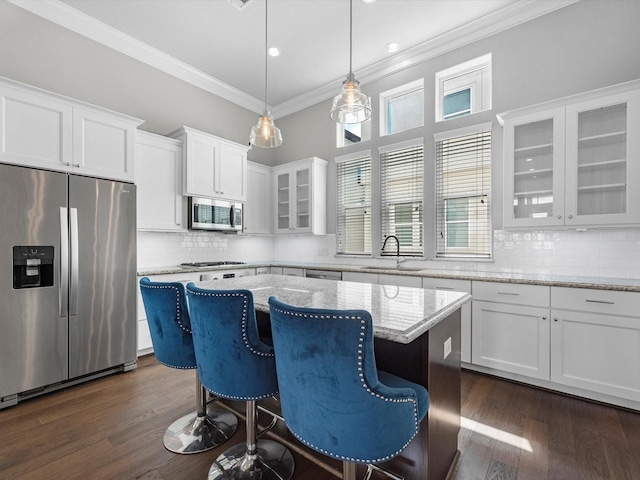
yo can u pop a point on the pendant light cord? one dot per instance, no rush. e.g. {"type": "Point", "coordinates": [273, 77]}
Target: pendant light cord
{"type": "Point", "coordinates": [350, 35]}
{"type": "Point", "coordinates": [266, 53]}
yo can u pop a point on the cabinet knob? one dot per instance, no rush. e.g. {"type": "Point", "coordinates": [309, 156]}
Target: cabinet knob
{"type": "Point", "coordinates": [544, 317]}
{"type": "Point", "coordinates": [559, 217]}
{"type": "Point", "coordinates": [555, 319]}
{"type": "Point", "coordinates": [570, 217]}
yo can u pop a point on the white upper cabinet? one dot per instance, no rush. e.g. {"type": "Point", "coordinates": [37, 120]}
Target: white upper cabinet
{"type": "Point", "coordinates": [574, 162]}
{"type": "Point", "coordinates": [213, 167]}
{"type": "Point", "coordinates": [300, 191]}
{"type": "Point", "coordinates": [603, 160]}
{"type": "Point", "coordinates": [103, 145]}
{"type": "Point", "coordinates": [257, 211]}
{"type": "Point", "coordinates": [160, 205]}
{"type": "Point", "coordinates": [45, 130]}
{"type": "Point", "coordinates": [534, 169]}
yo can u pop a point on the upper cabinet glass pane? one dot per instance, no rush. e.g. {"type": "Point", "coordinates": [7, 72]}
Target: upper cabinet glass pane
{"type": "Point", "coordinates": [533, 170]}
{"type": "Point", "coordinates": [602, 162]}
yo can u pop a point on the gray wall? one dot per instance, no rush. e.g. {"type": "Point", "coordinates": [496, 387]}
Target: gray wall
{"type": "Point", "coordinates": [591, 44]}
{"type": "Point", "coordinates": [587, 45]}
{"type": "Point", "coordinates": [46, 55]}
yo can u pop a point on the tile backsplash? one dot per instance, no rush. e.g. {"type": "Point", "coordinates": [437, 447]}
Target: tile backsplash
{"type": "Point", "coordinates": [609, 253]}
{"type": "Point", "coordinates": [159, 249]}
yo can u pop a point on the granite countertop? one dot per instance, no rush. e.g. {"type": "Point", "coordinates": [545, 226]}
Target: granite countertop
{"type": "Point", "coordinates": [604, 283]}
{"type": "Point", "coordinates": [400, 314]}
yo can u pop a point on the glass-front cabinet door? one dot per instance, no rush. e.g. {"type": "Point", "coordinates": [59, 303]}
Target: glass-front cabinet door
{"type": "Point", "coordinates": [303, 199]}
{"type": "Point", "coordinates": [603, 161]}
{"type": "Point", "coordinates": [533, 169]}
{"type": "Point", "coordinates": [293, 190]}
{"type": "Point", "coordinates": [283, 216]}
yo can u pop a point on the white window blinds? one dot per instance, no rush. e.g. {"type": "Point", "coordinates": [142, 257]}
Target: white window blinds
{"type": "Point", "coordinates": [463, 193]}
{"type": "Point", "coordinates": [401, 178]}
{"type": "Point", "coordinates": [353, 233]}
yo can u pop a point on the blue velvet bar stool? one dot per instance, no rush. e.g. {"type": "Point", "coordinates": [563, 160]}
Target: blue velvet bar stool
{"type": "Point", "coordinates": [234, 363]}
{"type": "Point", "coordinates": [333, 398]}
{"type": "Point", "coordinates": [170, 327]}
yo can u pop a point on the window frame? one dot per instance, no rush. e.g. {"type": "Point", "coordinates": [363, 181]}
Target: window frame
{"type": "Point", "coordinates": [417, 224]}
{"type": "Point", "coordinates": [442, 199]}
{"type": "Point", "coordinates": [362, 155]}
{"type": "Point", "coordinates": [476, 75]}
{"type": "Point", "coordinates": [396, 92]}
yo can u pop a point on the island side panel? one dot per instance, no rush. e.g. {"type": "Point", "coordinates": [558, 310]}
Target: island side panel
{"type": "Point", "coordinates": [432, 453]}
{"type": "Point", "coordinates": [444, 407]}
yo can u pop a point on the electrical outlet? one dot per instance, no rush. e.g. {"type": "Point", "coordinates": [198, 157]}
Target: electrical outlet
{"type": "Point", "coordinates": [447, 347]}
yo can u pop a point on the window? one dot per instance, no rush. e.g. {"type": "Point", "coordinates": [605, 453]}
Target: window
{"type": "Point", "coordinates": [402, 108]}
{"type": "Point", "coordinates": [401, 182]}
{"type": "Point", "coordinates": [353, 233]}
{"type": "Point", "coordinates": [464, 89]}
{"type": "Point", "coordinates": [457, 104]}
{"type": "Point", "coordinates": [350, 133]}
{"type": "Point", "coordinates": [463, 192]}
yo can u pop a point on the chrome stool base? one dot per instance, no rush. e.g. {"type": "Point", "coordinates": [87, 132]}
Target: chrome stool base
{"type": "Point", "coordinates": [196, 433]}
{"type": "Point", "coordinates": [273, 461]}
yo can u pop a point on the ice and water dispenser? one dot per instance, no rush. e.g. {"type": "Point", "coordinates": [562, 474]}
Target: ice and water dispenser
{"type": "Point", "coordinates": [32, 266]}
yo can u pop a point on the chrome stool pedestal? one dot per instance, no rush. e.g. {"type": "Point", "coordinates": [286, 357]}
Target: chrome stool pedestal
{"type": "Point", "coordinates": [202, 430]}
{"type": "Point", "coordinates": [255, 459]}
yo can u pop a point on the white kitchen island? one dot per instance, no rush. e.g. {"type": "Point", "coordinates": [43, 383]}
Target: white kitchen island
{"type": "Point", "coordinates": [417, 336]}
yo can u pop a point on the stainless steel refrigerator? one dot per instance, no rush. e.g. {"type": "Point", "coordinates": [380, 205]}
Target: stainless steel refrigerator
{"type": "Point", "coordinates": [67, 280]}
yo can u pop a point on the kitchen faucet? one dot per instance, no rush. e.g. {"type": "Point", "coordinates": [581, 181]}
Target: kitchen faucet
{"type": "Point", "coordinates": [398, 259]}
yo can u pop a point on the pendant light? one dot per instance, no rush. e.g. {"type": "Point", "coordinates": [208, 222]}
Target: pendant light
{"type": "Point", "coordinates": [265, 134]}
{"type": "Point", "coordinates": [351, 105]}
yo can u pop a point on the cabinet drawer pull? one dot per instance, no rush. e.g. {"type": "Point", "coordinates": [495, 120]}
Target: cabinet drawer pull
{"type": "Point", "coordinates": [509, 293]}
{"type": "Point", "coordinates": [444, 288]}
{"type": "Point", "coordinates": [600, 301]}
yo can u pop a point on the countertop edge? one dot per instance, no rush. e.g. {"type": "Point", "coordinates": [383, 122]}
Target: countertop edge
{"type": "Point", "coordinates": [600, 283]}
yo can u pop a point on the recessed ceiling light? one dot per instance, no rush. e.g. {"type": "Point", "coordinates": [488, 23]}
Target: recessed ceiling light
{"type": "Point", "coordinates": [274, 51]}
{"type": "Point", "coordinates": [368, 1]}
{"type": "Point", "coordinates": [392, 47]}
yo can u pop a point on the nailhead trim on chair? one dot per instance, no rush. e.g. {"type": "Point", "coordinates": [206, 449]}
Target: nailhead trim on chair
{"type": "Point", "coordinates": [364, 385]}
{"type": "Point", "coordinates": [178, 316]}
{"type": "Point", "coordinates": [245, 339]}
{"type": "Point", "coordinates": [171, 287]}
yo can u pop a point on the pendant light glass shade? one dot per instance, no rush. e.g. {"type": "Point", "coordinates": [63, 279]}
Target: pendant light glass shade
{"type": "Point", "coordinates": [265, 134]}
{"type": "Point", "coordinates": [351, 105]}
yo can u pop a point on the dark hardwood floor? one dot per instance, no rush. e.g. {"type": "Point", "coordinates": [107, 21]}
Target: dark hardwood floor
{"type": "Point", "coordinates": [111, 428]}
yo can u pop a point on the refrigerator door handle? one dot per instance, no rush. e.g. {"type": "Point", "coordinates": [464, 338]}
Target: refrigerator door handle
{"type": "Point", "coordinates": [73, 287]}
{"type": "Point", "coordinates": [63, 289]}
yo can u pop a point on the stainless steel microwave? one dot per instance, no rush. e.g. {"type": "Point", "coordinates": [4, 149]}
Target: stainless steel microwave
{"type": "Point", "coordinates": [217, 215]}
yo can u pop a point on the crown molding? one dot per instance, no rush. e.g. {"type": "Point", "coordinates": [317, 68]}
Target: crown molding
{"type": "Point", "coordinates": [76, 21]}
{"type": "Point", "coordinates": [509, 17]}
{"type": "Point", "coordinates": [70, 18]}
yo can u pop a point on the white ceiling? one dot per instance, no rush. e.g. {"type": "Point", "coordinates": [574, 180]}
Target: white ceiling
{"type": "Point", "coordinates": [218, 47]}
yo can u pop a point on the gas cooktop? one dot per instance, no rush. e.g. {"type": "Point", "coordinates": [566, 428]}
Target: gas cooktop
{"type": "Point", "coordinates": [210, 264]}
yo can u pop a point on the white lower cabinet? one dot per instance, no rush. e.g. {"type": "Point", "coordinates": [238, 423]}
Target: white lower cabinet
{"type": "Point", "coordinates": [511, 338]}
{"type": "Point", "coordinates": [595, 341]}
{"type": "Point", "coordinates": [510, 328]}
{"type": "Point", "coordinates": [360, 277]}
